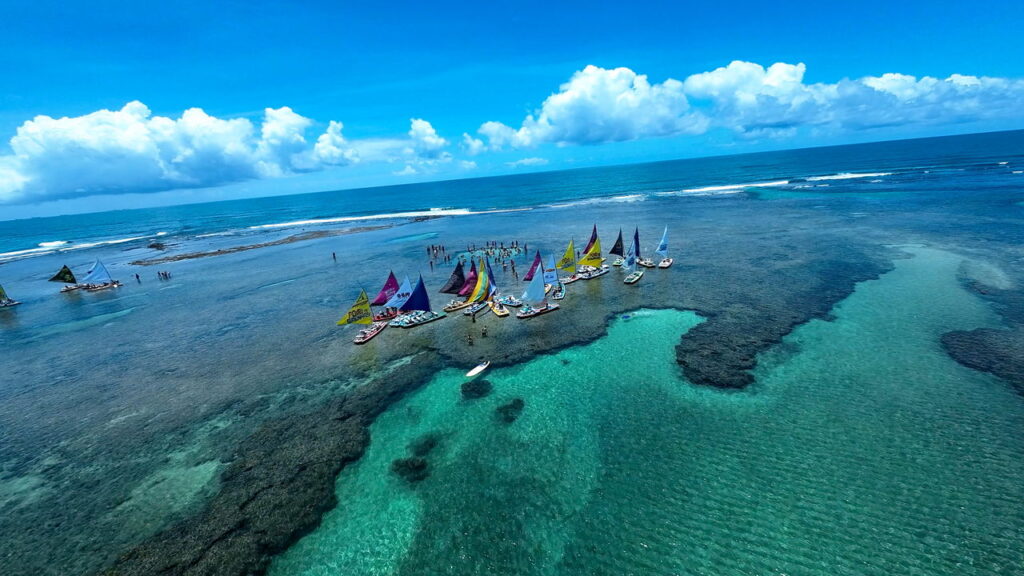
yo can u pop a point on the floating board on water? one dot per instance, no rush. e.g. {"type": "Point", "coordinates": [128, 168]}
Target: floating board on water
{"type": "Point", "coordinates": [480, 368]}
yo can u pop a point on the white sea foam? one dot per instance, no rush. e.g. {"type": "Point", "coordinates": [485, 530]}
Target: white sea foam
{"type": "Point", "coordinates": [63, 246]}
{"type": "Point", "coordinates": [1003, 163]}
{"type": "Point", "coordinates": [391, 216]}
{"type": "Point", "coordinates": [1017, 172]}
{"type": "Point", "coordinates": [849, 176]}
{"type": "Point", "coordinates": [626, 198]}
{"type": "Point", "coordinates": [723, 189]}
{"type": "Point", "coordinates": [53, 244]}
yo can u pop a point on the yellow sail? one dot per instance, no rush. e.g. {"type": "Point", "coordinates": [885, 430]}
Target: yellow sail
{"type": "Point", "coordinates": [568, 261]}
{"type": "Point", "coordinates": [593, 257]}
{"type": "Point", "coordinates": [360, 312]}
{"type": "Point", "coordinates": [483, 284]}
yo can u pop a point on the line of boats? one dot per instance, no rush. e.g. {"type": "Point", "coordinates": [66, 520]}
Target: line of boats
{"type": "Point", "coordinates": [477, 292]}
{"type": "Point", "coordinates": [97, 278]}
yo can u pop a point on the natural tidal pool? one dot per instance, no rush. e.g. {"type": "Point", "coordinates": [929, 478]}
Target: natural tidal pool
{"type": "Point", "coordinates": [860, 449]}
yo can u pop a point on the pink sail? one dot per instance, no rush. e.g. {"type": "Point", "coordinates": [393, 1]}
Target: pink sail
{"type": "Point", "coordinates": [533, 268]}
{"type": "Point", "coordinates": [470, 282]}
{"type": "Point", "coordinates": [389, 289]}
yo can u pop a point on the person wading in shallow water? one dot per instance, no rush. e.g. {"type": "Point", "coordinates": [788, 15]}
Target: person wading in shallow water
{"type": "Point", "coordinates": [334, 255]}
{"type": "Point", "coordinates": [483, 333]}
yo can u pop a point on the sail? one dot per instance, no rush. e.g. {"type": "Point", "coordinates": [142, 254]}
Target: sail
{"type": "Point", "coordinates": [359, 313]}
{"type": "Point", "coordinates": [483, 285]}
{"type": "Point", "coordinates": [401, 295]}
{"type": "Point", "coordinates": [494, 285]}
{"type": "Point", "coordinates": [663, 245]}
{"type": "Point", "coordinates": [97, 274]}
{"type": "Point", "coordinates": [419, 300]}
{"type": "Point", "coordinates": [636, 242]}
{"type": "Point", "coordinates": [550, 272]}
{"type": "Point", "coordinates": [389, 289]}
{"type": "Point", "coordinates": [593, 256]}
{"type": "Point", "coordinates": [470, 281]}
{"type": "Point", "coordinates": [593, 238]}
{"type": "Point", "coordinates": [630, 263]}
{"type": "Point", "coordinates": [533, 267]}
{"type": "Point", "coordinates": [617, 247]}
{"type": "Point", "coordinates": [3, 294]}
{"type": "Point", "coordinates": [65, 275]}
{"type": "Point", "coordinates": [568, 261]}
{"type": "Point", "coordinates": [455, 282]}
{"type": "Point", "coordinates": [535, 290]}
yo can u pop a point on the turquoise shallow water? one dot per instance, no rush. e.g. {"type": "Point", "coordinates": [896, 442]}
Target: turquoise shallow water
{"type": "Point", "coordinates": [861, 449]}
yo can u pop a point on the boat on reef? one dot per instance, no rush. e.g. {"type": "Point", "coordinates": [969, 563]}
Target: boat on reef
{"type": "Point", "coordinates": [635, 272]}
{"type": "Point", "coordinates": [6, 301]}
{"type": "Point", "coordinates": [662, 250]}
{"type": "Point", "coordinates": [592, 264]}
{"type": "Point", "coordinates": [416, 309]}
{"type": "Point", "coordinates": [482, 291]}
{"type": "Point", "coordinates": [478, 369]}
{"type": "Point", "coordinates": [497, 308]}
{"type": "Point", "coordinates": [536, 299]}
{"type": "Point", "coordinates": [387, 292]}
{"type": "Point", "coordinates": [510, 301]}
{"type": "Point", "coordinates": [617, 250]}
{"type": "Point", "coordinates": [537, 265]}
{"type": "Point", "coordinates": [559, 293]}
{"type": "Point", "coordinates": [456, 305]}
{"type": "Point", "coordinates": [67, 277]}
{"type": "Point", "coordinates": [385, 315]}
{"type": "Point", "coordinates": [460, 284]}
{"type": "Point", "coordinates": [367, 334]}
{"type": "Point", "coordinates": [475, 308]}
{"type": "Point", "coordinates": [97, 279]}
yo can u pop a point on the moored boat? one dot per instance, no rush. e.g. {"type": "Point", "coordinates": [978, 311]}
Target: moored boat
{"type": "Point", "coordinates": [367, 334]}
{"type": "Point", "coordinates": [457, 305]}
{"type": "Point", "coordinates": [635, 273]}
{"type": "Point", "coordinates": [497, 308]}
{"type": "Point", "coordinates": [5, 300]}
{"type": "Point", "coordinates": [559, 293]}
{"type": "Point", "coordinates": [475, 308]}
{"type": "Point", "coordinates": [536, 300]}
{"type": "Point", "coordinates": [66, 277]}
{"type": "Point", "coordinates": [662, 250]}
{"type": "Point", "coordinates": [510, 301]}
{"type": "Point", "coordinates": [98, 279]}
{"type": "Point", "coordinates": [529, 311]}
{"type": "Point", "coordinates": [416, 309]}
{"type": "Point", "coordinates": [617, 250]}
{"type": "Point", "coordinates": [665, 263]}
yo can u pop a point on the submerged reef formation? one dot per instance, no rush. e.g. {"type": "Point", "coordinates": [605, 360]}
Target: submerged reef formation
{"type": "Point", "coordinates": [474, 389]}
{"type": "Point", "coordinates": [509, 413]}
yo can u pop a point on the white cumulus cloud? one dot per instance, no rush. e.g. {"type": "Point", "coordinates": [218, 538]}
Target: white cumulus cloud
{"type": "Point", "coordinates": [527, 162]}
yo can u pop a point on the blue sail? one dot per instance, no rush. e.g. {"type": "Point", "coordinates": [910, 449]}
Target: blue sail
{"type": "Point", "coordinates": [97, 274]}
{"type": "Point", "coordinates": [494, 285]}
{"type": "Point", "coordinates": [630, 263]}
{"type": "Point", "coordinates": [550, 272]}
{"type": "Point", "coordinates": [403, 294]}
{"type": "Point", "coordinates": [663, 245]}
{"type": "Point", "coordinates": [636, 243]}
{"type": "Point", "coordinates": [418, 300]}
{"type": "Point", "coordinates": [535, 291]}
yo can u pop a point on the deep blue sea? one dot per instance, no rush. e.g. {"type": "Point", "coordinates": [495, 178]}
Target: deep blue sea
{"type": "Point", "coordinates": [980, 160]}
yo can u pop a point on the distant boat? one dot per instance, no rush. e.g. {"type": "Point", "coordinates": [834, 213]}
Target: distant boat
{"type": "Point", "coordinates": [591, 265]}
{"type": "Point", "coordinates": [645, 262]}
{"type": "Point", "coordinates": [618, 251]}
{"type": "Point", "coordinates": [635, 273]}
{"type": "Point", "coordinates": [568, 264]}
{"type": "Point", "coordinates": [663, 250]}
{"type": "Point", "coordinates": [463, 289]}
{"type": "Point", "coordinates": [400, 296]}
{"type": "Point", "coordinates": [5, 300]}
{"type": "Point", "coordinates": [493, 302]}
{"type": "Point", "coordinates": [481, 291]}
{"type": "Point", "coordinates": [98, 279]}
{"type": "Point", "coordinates": [66, 277]}
{"type": "Point", "coordinates": [455, 282]}
{"type": "Point", "coordinates": [361, 313]}
{"type": "Point", "coordinates": [536, 299]}
{"type": "Point", "coordinates": [551, 279]}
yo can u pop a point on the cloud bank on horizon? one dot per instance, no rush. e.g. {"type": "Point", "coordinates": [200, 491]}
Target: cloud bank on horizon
{"type": "Point", "coordinates": [131, 151]}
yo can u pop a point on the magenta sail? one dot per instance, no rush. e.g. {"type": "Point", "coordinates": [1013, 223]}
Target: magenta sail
{"type": "Point", "coordinates": [533, 268]}
{"type": "Point", "coordinates": [470, 281]}
{"type": "Point", "coordinates": [389, 289]}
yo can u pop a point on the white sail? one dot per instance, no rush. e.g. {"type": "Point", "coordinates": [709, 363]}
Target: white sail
{"type": "Point", "coordinates": [97, 274]}
{"type": "Point", "coordinates": [663, 245]}
{"type": "Point", "coordinates": [403, 294]}
{"type": "Point", "coordinates": [550, 272]}
{"type": "Point", "coordinates": [535, 290]}
{"type": "Point", "coordinates": [630, 263]}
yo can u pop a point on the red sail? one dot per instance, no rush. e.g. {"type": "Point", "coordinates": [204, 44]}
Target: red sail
{"type": "Point", "coordinates": [533, 268]}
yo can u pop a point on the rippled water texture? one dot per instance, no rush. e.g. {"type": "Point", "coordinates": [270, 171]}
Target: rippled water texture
{"type": "Point", "coordinates": [861, 449]}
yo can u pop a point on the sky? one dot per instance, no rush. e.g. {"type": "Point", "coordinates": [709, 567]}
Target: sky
{"type": "Point", "coordinates": [107, 105]}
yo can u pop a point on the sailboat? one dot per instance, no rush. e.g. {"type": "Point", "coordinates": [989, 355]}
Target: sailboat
{"type": "Point", "coordinates": [386, 293]}
{"type": "Point", "coordinates": [551, 281]}
{"type": "Point", "coordinates": [640, 260]}
{"type": "Point", "coordinates": [361, 313]}
{"type": "Point", "coordinates": [635, 272]}
{"type": "Point", "coordinates": [461, 289]}
{"type": "Point", "coordinates": [533, 267]}
{"type": "Point", "coordinates": [536, 299]}
{"type": "Point", "coordinates": [663, 250]}
{"type": "Point", "coordinates": [493, 302]}
{"type": "Point", "coordinates": [66, 277]}
{"type": "Point", "coordinates": [481, 291]}
{"type": "Point", "coordinates": [568, 264]}
{"type": "Point", "coordinates": [617, 250]}
{"type": "Point", "coordinates": [591, 264]}
{"type": "Point", "coordinates": [98, 279]}
{"type": "Point", "coordinates": [5, 300]}
{"type": "Point", "coordinates": [416, 309]}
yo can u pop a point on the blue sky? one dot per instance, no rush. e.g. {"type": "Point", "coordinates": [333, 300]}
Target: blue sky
{"type": "Point", "coordinates": [376, 68]}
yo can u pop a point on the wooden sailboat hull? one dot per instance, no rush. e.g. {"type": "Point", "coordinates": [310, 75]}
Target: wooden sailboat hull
{"type": "Point", "coordinates": [633, 277]}
{"type": "Point", "coordinates": [368, 334]}
{"type": "Point", "coordinates": [457, 306]}
{"type": "Point", "coordinates": [533, 312]}
{"type": "Point", "coordinates": [498, 309]}
{"type": "Point", "coordinates": [665, 263]}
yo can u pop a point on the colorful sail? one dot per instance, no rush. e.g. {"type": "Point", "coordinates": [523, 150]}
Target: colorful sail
{"type": "Point", "coordinates": [419, 300]}
{"type": "Point", "coordinates": [401, 295]}
{"type": "Point", "coordinates": [636, 242]}
{"type": "Point", "coordinates": [360, 312]}
{"type": "Point", "coordinates": [483, 285]}
{"type": "Point", "coordinates": [533, 267]}
{"type": "Point", "coordinates": [593, 256]}
{"type": "Point", "coordinates": [568, 261]}
{"type": "Point", "coordinates": [494, 285]}
{"type": "Point", "coordinates": [470, 281]}
{"type": "Point", "coordinates": [593, 238]}
{"type": "Point", "coordinates": [97, 274]}
{"type": "Point", "coordinates": [617, 247]}
{"type": "Point", "coordinates": [663, 245]}
{"type": "Point", "coordinates": [535, 290]}
{"type": "Point", "coordinates": [389, 290]}
{"type": "Point", "coordinates": [455, 282]}
{"type": "Point", "coordinates": [65, 275]}
{"type": "Point", "coordinates": [550, 271]}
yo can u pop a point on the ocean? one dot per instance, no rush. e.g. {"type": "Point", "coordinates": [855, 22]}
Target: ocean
{"type": "Point", "coordinates": [826, 381]}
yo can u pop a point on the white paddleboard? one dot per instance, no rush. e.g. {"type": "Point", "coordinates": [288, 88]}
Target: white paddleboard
{"type": "Point", "coordinates": [480, 368]}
